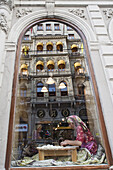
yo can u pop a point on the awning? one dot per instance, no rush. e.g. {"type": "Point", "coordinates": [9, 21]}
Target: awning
{"type": "Point", "coordinates": [77, 64]}
{"type": "Point", "coordinates": [61, 64]}
{"type": "Point", "coordinates": [50, 62]}
{"type": "Point", "coordinates": [24, 66]}
{"type": "Point", "coordinates": [39, 63]}
{"type": "Point", "coordinates": [49, 43]}
{"type": "Point", "coordinates": [59, 43]}
{"type": "Point", "coordinates": [39, 46]}
{"type": "Point", "coordinates": [39, 43]}
{"type": "Point", "coordinates": [74, 47]}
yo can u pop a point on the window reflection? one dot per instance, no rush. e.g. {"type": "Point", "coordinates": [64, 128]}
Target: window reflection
{"type": "Point", "coordinates": [58, 126]}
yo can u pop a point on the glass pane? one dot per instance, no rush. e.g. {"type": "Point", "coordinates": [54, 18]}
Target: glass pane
{"type": "Point", "coordinates": [58, 127]}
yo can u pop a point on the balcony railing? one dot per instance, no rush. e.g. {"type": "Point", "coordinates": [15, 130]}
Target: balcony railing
{"type": "Point", "coordinates": [35, 53]}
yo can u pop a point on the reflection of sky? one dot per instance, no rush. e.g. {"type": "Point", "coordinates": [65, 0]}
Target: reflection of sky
{"type": "Point", "coordinates": [39, 87]}
{"type": "Point", "coordinates": [65, 89]}
{"type": "Point", "coordinates": [52, 87]}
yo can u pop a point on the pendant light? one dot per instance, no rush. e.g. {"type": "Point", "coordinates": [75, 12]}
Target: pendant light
{"type": "Point", "coordinates": [50, 81]}
{"type": "Point", "coordinates": [62, 86]}
{"type": "Point", "coordinates": [44, 89]}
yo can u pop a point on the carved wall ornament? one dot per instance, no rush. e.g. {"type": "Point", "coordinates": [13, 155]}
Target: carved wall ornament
{"type": "Point", "coordinates": [6, 2]}
{"type": "Point", "coordinates": [108, 13]}
{"type": "Point", "coordinates": [3, 23]}
{"type": "Point", "coordinates": [50, 5]}
{"type": "Point", "coordinates": [78, 12]}
{"type": "Point", "coordinates": [22, 12]}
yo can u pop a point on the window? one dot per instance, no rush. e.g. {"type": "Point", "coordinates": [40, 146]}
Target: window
{"type": "Point", "coordinates": [47, 111]}
{"type": "Point", "coordinates": [64, 90]}
{"type": "Point", "coordinates": [52, 89]}
{"type": "Point", "coordinates": [39, 88]}
{"type": "Point", "coordinates": [48, 27]}
{"type": "Point", "coordinates": [81, 89]}
{"type": "Point", "coordinates": [69, 28]}
{"type": "Point", "coordinates": [57, 27]}
{"type": "Point", "coordinates": [26, 37]}
{"type": "Point", "coordinates": [40, 27]}
{"type": "Point", "coordinates": [71, 36]}
{"type": "Point", "coordinates": [23, 91]}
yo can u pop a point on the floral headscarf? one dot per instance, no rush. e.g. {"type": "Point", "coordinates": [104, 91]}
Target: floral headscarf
{"type": "Point", "coordinates": [76, 118]}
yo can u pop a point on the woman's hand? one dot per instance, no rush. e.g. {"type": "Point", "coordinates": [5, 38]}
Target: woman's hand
{"type": "Point", "coordinates": [71, 142]}
{"type": "Point", "coordinates": [64, 143]}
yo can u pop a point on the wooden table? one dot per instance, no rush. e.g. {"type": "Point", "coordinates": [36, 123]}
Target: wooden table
{"type": "Point", "coordinates": [63, 151]}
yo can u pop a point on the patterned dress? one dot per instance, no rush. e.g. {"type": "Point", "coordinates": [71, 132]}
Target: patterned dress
{"type": "Point", "coordinates": [87, 139]}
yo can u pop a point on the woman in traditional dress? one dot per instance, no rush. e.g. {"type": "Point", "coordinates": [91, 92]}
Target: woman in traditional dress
{"type": "Point", "coordinates": [84, 137]}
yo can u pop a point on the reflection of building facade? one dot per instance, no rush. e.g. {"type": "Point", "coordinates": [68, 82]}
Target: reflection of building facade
{"type": "Point", "coordinates": [94, 23]}
{"type": "Point", "coordinates": [61, 58]}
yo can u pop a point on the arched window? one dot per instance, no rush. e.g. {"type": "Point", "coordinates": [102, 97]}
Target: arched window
{"type": "Point", "coordinates": [52, 89]}
{"type": "Point", "coordinates": [74, 48]}
{"type": "Point", "coordinates": [53, 122]}
{"type": "Point", "coordinates": [39, 66]}
{"type": "Point", "coordinates": [49, 46]}
{"type": "Point", "coordinates": [50, 65]}
{"type": "Point", "coordinates": [39, 46]}
{"type": "Point", "coordinates": [39, 88]}
{"type": "Point", "coordinates": [24, 69]}
{"type": "Point", "coordinates": [81, 89]}
{"type": "Point", "coordinates": [64, 91]}
{"type": "Point", "coordinates": [59, 46]}
{"type": "Point", "coordinates": [61, 65]}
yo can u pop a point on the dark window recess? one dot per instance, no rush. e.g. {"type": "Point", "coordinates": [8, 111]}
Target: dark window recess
{"type": "Point", "coordinates": [39, 88]}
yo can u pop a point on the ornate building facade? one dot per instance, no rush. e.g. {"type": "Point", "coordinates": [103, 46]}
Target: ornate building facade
{"type": "Point", "coordinates": [69, 44]}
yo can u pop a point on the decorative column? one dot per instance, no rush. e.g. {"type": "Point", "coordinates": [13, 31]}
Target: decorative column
{"type": "Point", "coordinates": [4, 27]}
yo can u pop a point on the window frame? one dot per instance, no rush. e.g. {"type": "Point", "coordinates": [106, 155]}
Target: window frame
{"type": "Point", "coordinates": [39, 27]}
{"type": "Point", "coordinates": [48, 27]}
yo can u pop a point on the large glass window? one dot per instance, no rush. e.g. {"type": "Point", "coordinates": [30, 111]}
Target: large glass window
{"type": "Point", "coordinates": [52, 89]}
{"type": "Point", "coordinates": [39, 88]}
{"type": "Point", "coordinates": [56, 122]}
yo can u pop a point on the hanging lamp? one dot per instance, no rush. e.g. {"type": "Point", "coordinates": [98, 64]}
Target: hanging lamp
{"type": "Point", "coordinates": [44, 89]}
{"type": "Point", "coordinates": [62, 86]}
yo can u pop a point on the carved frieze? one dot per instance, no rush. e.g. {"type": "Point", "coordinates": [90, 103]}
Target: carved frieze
{"type": "Point", "coordinates": [23, 12]}
{"type": "Point", "coordinates": [3, 23]}
{"type": "Point", "coordinates": [78, 12]}
{"type": "Point", "coordinates": [108, 13]}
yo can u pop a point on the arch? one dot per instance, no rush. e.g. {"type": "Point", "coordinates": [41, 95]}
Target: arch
{"type": "Point", "coordinates": [84, 31]}
{"type": "Point", "coordinates": [37, 16]}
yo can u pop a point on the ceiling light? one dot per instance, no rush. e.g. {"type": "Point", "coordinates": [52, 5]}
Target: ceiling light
{"type": "Point", "coordinates": [62, 86]}
{"type": "Point", "coordinates": [44, 89]}
{"type": "Point", "coordinates": [50, 81]}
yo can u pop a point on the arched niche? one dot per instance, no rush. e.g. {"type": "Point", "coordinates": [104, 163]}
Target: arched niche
{"type": "Point", "coordinates": [87, 35]}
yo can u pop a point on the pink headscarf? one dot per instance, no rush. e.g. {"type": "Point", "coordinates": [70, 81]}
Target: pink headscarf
{"type": "Point", "coordinates": [76, 118]}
